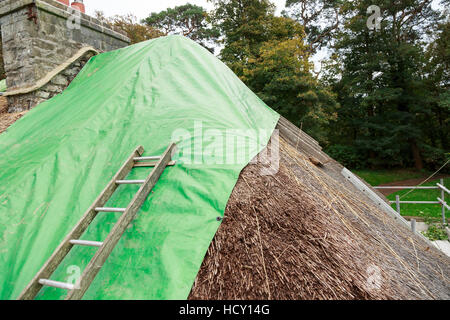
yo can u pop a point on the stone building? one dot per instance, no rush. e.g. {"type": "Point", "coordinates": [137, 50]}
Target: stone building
{"type": "Point", "coordinates": [38, 37]}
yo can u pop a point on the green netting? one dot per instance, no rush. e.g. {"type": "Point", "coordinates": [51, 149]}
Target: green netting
{"type": "Point", "coordinates": [3, 85]}
{"type": "Point", "coordinates": [57, 159]}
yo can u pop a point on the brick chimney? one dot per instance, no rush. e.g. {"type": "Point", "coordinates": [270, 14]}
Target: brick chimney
{"type": "Point", "coordinates": [66, 2]}
{"type": "Point", "coordinates": [78, 5]}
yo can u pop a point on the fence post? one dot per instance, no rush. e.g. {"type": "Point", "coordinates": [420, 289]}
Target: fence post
{"type": "Point", "coordinates": [397, 202]}
{"type": "Point", "coordinates": [413, 225]}
{"type": "Point", "coordinates": [442, 204]}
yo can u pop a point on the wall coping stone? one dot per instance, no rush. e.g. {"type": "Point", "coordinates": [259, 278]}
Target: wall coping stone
{"type": "Point", "coordinates": [61, 10]}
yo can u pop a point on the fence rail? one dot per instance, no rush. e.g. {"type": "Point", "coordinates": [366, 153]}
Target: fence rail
{"type": "Point", "coordinates": [443, 203]}
{"type": "Point", "coordinates": [441, 200]}
{"type": "Point", "coordinates": [404, 187]}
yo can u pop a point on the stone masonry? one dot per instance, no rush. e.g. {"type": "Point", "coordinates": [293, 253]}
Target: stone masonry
{"type": "Point", "coordinates": [57, 84]}
{"type": "Point", "coordinates": [40, 35]}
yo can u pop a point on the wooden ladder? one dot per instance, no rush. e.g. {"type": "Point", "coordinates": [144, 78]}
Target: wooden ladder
{"type": "Point", "coordinates": [77, 291]}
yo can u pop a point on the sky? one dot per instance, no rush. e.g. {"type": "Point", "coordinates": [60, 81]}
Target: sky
{"type": "Point", "coordinates": [142, 8]}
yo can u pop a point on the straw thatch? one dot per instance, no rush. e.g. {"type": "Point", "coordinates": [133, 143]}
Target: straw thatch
{"type": "Point", "coordinates": [307, 233]}
{"type": "Point", "coordinates": [7, 119]}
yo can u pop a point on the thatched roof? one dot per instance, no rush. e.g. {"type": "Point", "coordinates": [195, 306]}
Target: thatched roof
{"type": "Point", "coordinates": [7, 119]}
{"type": "Point", "coordinates": [307, 233]}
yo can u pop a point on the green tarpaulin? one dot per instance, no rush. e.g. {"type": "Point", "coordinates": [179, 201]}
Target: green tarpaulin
{"type": "Point", "coordinates": [57, 159]}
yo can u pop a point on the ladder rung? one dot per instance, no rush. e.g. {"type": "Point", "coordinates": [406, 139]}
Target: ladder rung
{"type": "Point", "coordinates": [57, 284]}
{"type": "Point", "coordinates": [110, 209]}
{"type": "Point", "coordinates": [130, 181]}
{"type": "Point", "coordinates": [77, 291]}
{"type": "Point", "coordinates": [86, 243]}
{"type": "Point", "coordinates": [147, 158]}
{"type": "Point", "coordinates": [151, 164]}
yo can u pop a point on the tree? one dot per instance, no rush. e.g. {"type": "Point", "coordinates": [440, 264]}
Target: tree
{"type": "Point", "coordinates": [280, 74]}
{"type": "Point", "coordinates": [243, 25]}
{"type": "Point", "coordinates": [320, 18]}
{"type": "Point", "coordinates": [380, 88]}
{"type": "Point", "coordinates": [436, 73]}
{"type": "Point", "coordinates": [270, 55]}
{"type": "Point", "coordinates": [136, 32]}
{"type": "Point", "coordinates": [129, 24]}
{"type": "Point", "coordinates": [188, 20]}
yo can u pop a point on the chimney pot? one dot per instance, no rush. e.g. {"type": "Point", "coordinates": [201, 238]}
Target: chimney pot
{"type": "Point", "coordinates": [79, 5]}
{"type": "Point", "coordinates": [66, 2]}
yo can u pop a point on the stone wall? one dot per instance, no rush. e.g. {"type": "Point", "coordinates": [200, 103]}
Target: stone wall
{"type": "Point", "coordinates": [57, 84]}
{"type": "Point", "coordinates": [38, 36]}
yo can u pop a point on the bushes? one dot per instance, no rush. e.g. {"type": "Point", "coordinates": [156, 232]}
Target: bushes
{"type": "Point", "coordinates": [348, 156]}
{"type": "Point", "coordinates": [436, 231]}
{"type": "Point", "coordinates": [354, 158]}
{"type": "Point", "coordinates": [434, 158]}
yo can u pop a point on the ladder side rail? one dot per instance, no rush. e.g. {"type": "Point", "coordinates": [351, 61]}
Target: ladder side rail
{"type": "Point", "coordinates": [116, 233]}
{"type": "Point", "coordinates": [64, 248]}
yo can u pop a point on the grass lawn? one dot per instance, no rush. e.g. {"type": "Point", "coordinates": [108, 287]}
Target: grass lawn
{"type": "Point", "coordinates": [378, 177]}
{"type": "Point", "coordinates": [422, 210]}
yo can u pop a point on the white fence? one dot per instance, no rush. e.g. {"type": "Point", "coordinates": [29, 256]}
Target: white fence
{"type": "Point", "coordinates": [441, 201]}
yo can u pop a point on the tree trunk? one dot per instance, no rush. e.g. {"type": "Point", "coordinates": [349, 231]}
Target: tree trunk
{"type": "Point", "coordinates": [372, 154]}
{"type": "Point", "coordinates": [418, 163]}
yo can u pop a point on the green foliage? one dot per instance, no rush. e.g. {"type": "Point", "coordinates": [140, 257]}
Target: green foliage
{"type": "Point", "coordinates": [243, 25]}
{"type": "Point", "coordinates": [381, 101]}
{"type": "Point", "coordinates": [436, 230]}
{"type": "Point", "coordinates": [136, 31]}
{"type": "Point", "coordinates": [347, 156]}
{"type": "Point", "coordinates": [387, 108]}
{"type": "Point", "coordinates": [320, 18]}
{"type": "Point", "coordinates": [188, 20]}
{"type": "Point", "coordinates": [435, 158]}
{"type": "Point", "coordinates": [437, 84]}
{"type": "Point", "coordinates": [270, 55]}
